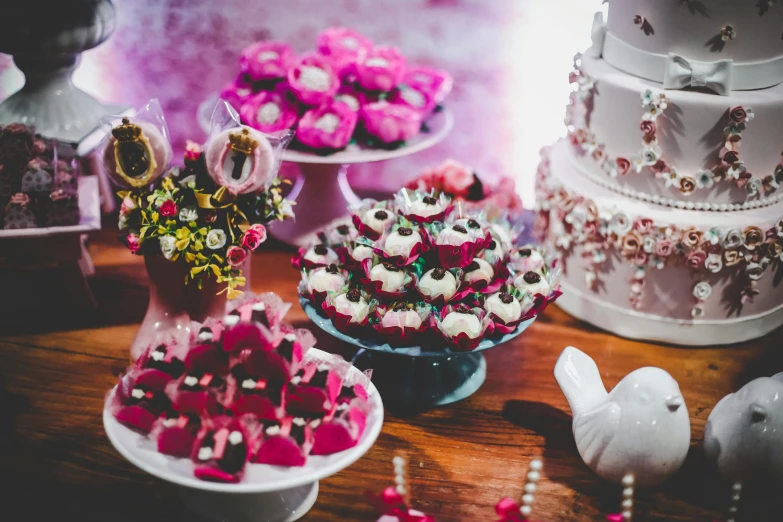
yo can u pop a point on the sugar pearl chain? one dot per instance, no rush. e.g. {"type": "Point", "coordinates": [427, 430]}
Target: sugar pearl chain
{"type": "Point", "coordinates": [736, 489]}
{"type": "Point", "coordinates": [628, 491]}
{"type": "Point", "coordinates": [533, 476]}
{"type": "Point", "coordinates": [399, 478]}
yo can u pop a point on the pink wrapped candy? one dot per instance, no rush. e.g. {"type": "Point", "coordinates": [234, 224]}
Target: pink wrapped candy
{"type": "Point", "coordinates": [351, 97]}
{"type": "Point", "coordinates": [381, 70]}
{"type": "Point", "coordinates": [313, 80]}
{"type": "Point", "coordinates": [390, 122]}
{"type": "Point", "coordinates": [343, 47]}
{"type": "Point", "coordinates": [415, 98]}
{"type": "Point", "coordinates": [237, 92]}
{"type": "Point", "coordinates": [266, 60]}
{"type": "Point", "coordinates": [329, 126]}
{"type": "Point", "coordinates": [285, 443]}
{"type": "Point", "coordinates": [437, 83]}
{"type": "Point", "coordinates": [221, 451]}
{"type": "Point", "coordinates": [269, 111]}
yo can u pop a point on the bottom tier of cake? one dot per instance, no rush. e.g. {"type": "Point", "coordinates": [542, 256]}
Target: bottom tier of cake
{"type": "Point", "coordinates": [646, 271]}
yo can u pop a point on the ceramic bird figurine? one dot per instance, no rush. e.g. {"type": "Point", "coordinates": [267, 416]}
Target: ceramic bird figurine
{"type": "Point", "coordinates": [640, 428]}
{"type": "Point", "coordinates": [744, 432]}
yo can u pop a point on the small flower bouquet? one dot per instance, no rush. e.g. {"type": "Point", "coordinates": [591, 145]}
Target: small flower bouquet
{"type": "Point", "coordinates": [243, 391]}
{"type": "Point", "coordinates": [210, 213]}
{"type": "Point", "coordinates": [460, 183]}
{"type": "Point", "coordinates": [419, 268]}
{"type": "Point", "coordinates": [348, 91]}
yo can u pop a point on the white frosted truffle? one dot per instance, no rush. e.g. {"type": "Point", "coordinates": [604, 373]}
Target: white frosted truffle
{"type": "Point", "coordinates": [321, 255]}
{"type": "Point", "coordinates": [426, 207]}
{"type": "Point", "coordinates": [505, 306]}
{"type": "Point", "coordinates": [379, 219]}
{"type": "Point", "coordinates": [461, 321]}
{"type": "Point", "coordinates": [343, 233]}
{"type": "Point", "coordinates": [352, 304]}
{"type": "Point", "coordinates": [392, 277]}
{"type": "Point", "coordinates": [361, 252]}
{"type": "Point", "coordinates": [404, 318]}
{"type": "Point", "coordinates": [532, 282]}
{"type": "Point", "coordinates": [474, 228]}
{"type": "Point", "coordinates": [493, 252]}
{"type": "Point", "coordinates": [502, 234]}
{"type": "Point", "coordinates": [401, 242]}
{"type": "Point", "coordinates": [454, 235]}
{"type": "Point", "coordinates": [326, 279]}
{"type": "Point", "coordinates": [478, 270]}
{"type": "Point", "coordinates": [436, 282]}
{"type": "Point", "coordinates": [527, 259]}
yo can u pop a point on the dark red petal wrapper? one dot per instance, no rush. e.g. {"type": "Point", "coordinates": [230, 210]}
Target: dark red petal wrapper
{"type": "Point", "coordinates": [440, 216]}
{"type": "Point", "coordinates": [280, 450]}
{"type": "Point", "coordinates": [401, 261]}
{"type": "Point", "coordinates": [343, 322]}
{"type": "Point", "coordinates": [247, 335]}
{"type": "Point", "coordinates": [176, 441]}
{"type": "Point", "coordinates": [207, 358]}
{"type": "Point", "coordinates": [459, 256]}
{"type": "Point", "coordinates": [135, 417]}
{"type": "Point", "coordinates": [262, 407]}
{"type": "Point", "coordinates": [299, 262]}
{"type": "Point", "coordinates": [363, 229]}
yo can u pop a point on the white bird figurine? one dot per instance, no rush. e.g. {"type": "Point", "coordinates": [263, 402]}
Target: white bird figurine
{"type": "Point", "coordinates": [640, 428]}
{"type": "Point", "coordinates": [744, 432]}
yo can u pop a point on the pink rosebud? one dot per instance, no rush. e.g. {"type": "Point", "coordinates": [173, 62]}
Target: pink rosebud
{"type": "Point", "coordinates": [312, 80]}
{"type": "Point", "coordinates": [433, 81]}
{"type": "Point", "coordinates": [254, 236]}
{"type": "Point", "coordinates": [343, 47]}
{"type": "Point", "coordinates": [414, 98]}
{"type": "Point", "coordinates": [192, 151]}
{"type": "Point", "coordinates": [695, 259]}
{"type": "Point", "coordinates": [381, 69]}
{"type": "Point", "coordinates": [640, 258]}
{"type": "Point", "coordinates": [133, 243]}
{"type": "Point", "coordinates": [266, 60]}
{"type": "Point", "coordinates": [643, 225]}
{"type": "Point", "coordinates": [391, 122]}
{"type": "Point", "coordinates": [269, 111]}
{"type": "Point", "coordinates": [664, 248]}
{"type": "Point", "coordinates": [327, 127]}
{"type": "Point", "coordinates": [648, 127]}
{"type": "Point", "coordinates": [623, 166]}
{"type": "Point", "coordinates": [738, 114]}
{"type": "Point", "coordinates": [168, 208]}
{"type": "Point", "coordinates": [236, 255]}
{"type": "Point", "coordinates": [237, 92]}
{"type": "Point", "coordinates": [128, 205]}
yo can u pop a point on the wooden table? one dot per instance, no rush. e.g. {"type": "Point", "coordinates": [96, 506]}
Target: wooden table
{"type": "Point", "coordinates": [58, 465]}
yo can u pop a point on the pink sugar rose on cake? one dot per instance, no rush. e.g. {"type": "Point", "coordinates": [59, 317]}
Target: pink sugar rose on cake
{"type": "Point", "coordinates": [344, 48]}
{"type": "Point", "coordinates": [237, 92]}
{"type": "Point", "coordinates": [391, 122]}
{"type": "Point", "coordinates": [269, 111]}
{"type": "Point", "coordinates": [313, 80]}
{"type": "Point", "coordinates": [266, 60]}
{"type": "Point", "coordinates": [435, 82]}
{"type": "Point", "coordinates": [329, 126]}
{"type": "Point", "coordinates": [381, 69]}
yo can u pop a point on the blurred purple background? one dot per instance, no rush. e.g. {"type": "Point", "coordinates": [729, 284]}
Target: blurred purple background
{"type": "Point", "coordinates": [510, 60]}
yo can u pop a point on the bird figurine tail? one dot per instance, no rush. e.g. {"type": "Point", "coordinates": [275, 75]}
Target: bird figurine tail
{"type": "Point", "coordinates": [578, 377]}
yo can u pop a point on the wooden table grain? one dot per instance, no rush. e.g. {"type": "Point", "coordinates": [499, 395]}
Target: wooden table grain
{"type": "Point", "coordinates": [57, 362]}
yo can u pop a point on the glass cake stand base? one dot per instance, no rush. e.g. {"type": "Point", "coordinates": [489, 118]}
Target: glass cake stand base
{"type": "Point", "coordinates": [276, 506]}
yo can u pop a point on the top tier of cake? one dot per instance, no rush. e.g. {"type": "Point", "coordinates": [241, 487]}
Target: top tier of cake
{"type": "Point", "coordinates": [640, 34]}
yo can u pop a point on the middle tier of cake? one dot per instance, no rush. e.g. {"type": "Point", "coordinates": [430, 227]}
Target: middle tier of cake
{"type": "Point", "coordinates": [684, 149]}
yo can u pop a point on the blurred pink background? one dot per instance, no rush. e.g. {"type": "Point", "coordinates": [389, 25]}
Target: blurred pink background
{"type": "Point", "coordinates": [510, 60]}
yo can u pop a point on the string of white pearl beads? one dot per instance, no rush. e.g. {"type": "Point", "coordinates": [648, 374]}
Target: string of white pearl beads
{"type": "Point", "coordinates": [628, 491]}
{"type": "Point", "coordinates": [399, 476]}
{"type": "Point", "coordinates": [736, 489]}
{"type": "Point", "coordinates": [533, 476]}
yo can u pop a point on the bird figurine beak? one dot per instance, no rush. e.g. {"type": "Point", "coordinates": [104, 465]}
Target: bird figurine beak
{"type": "Point", "coordinates": [758, 414]}
{"type": "Point", "coordinates": [674, 403]}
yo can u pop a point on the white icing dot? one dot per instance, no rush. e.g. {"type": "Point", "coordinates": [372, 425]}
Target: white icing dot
{"type": "Point", "coordinates": [530, 488]}
{"type": "Point", "coordinates": [235, 437]}
{"type": "Point", "coordinates": [205, 453]}
{"type": "Point", "coordinates": [689, 205]}
{"type": "Point", "coordinates": [680, 204]}
{"type": "Point", "coordinates": [205, 336]}
{"type": "Point", "coordinates": [528, 499]}
{"type": "Point", "coordinates": [413, 97]}
{"type": "Point", "coordinates": [377, 61]}
{"type": "Point", "coordinates": [290, 337]}
{"type": "Point", "coordinates": [265, 56]}
{"type": "Point", "coordinates": [722, 207]}
{"type": "Point", "coordinates": [699, 206]}
{"type": "Point", "coordinates": [268, 113]}
{"type": "Point", "coordinates": [315, 78]}
{"type": "Point", "coordinates": [231, 320]}
{"type": "Point", "coordinates": [536, 465]}
{"type": "Point", "coordinates": [314, 424]}
{"type": "Point", "coordinates": [327, 123]}
{"type": "Point", "coordinates": [296, 379]}
{"type": "Point", "coordinates": [349, 42]}
{"type": "Point", "coordinates": [526, 510]}
{"type": "Point", "coordinates": [349, 100]}
{"type": "Point", "coordinates": [158, 356]}
{"type": "Point", "coordinates": [299, 421]}
{"type": "Point", "coordinates": [191, 380]}
{"type": "Point", "coordinates": [656, 198]}
{"type": "Point", "coordinates": [259, 307]}
{"type": "Point", "coordinates": [249, 384]}
{"type": "Point", "coordinates": [273, 430]}
{"type": "Point", "coordinates": [137, 393]}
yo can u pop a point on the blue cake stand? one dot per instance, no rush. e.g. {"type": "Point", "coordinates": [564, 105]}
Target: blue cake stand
{"type": "Point", "coordinates": [417, 378]}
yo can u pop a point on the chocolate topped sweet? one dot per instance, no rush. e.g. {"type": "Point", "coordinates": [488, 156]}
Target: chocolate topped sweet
{"type": "Point", "coordinates": [463, 309]}
{"type": "Point", "coordinates": [531, 278]}
{"type": "Point", "coordinates": [506, 298]}
{"type": "Point", "coordinates": [286, 347]}
{"type": "Point", "coordinates": [438, 282]}
{"type": "Point", "coordinates": [343, 230]}
{"type": "Point", "coordinates": [438, 273]}
{"type": "Point", "coordinates": [353, 305]}
{"type": "Point", "coordinates": [259, 315]}
{"type": "Point", "coordinates": [479, 270]}
{"type": "Point", "coordinates": [461, 320]}
{"type": "Point", "coordinates": [527, 259]}
{"type": "Point", "coordinates": [532, 282]}
{"type": "Point", "coordinates": [429, 200]}
{"type": "Point", "coordinates": [379, 220]}
{"type": "Point", "coordinates": [353, 295]}
{"type": "Point", "coordinates": [381, 214]}
{"type": "Point", "coordinates": [505, 306]}
{"type": "Point", "coordinates": [152, 400]}
{"type": "Point", "coordinates": [321, 250]}
{"type": "Point", "coordinates": [326, 279]}
{"type": "Point", "coordinates": [401, 242]}
{"type": "Point", "coordinates": [205, 335]}
{"type": "Point", "coordinates": [391, 277]}
{"type": "Point", "coordinates": [361, 252]}
{"type": "Point", "coordinates": [227, 448]}
{"type": "Point", "coordinates": [404, 231]}
{"type": "Point", "coordinates": [460, 229]}
{"type": "Point", "coordinates": [472, 223]}
{"type": "Point", "coordinates": [472, 266]}
{"type": "Point", "coordinates": [161, 360]}
{"type": "Point", "coordinates": [332, 269]}
{"type": "Point", "coordinates": [199, 381]}
{"type": "Point", "coordinates": [401, 305]}
{"type": "Point", "coordinates": [232, 318]}
{"type": "Point", "coordinates": [391, 267]}
{"type": "Point", "coordinates": [425, 207]}
{"type": "Point", "coordinates": [525, 252]}
{"type": "Point", "coordinates": [321, 255]}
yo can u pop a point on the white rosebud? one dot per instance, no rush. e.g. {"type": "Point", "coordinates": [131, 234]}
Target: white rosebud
{"type": "Point", "coordinates": [168, 246]}
{"type": "Point", "coordinates": [187, 180]}
{"type": "Point", "coordinates": [216, 239]}
{"type": "Point", "coordinates": [713, 263]}
{"type": "Point", "coordinates": [754, 271]}
{"type": "Point", "coordinates": [188, 214]}
{"type": "Point", "coordinates": [702, 290]}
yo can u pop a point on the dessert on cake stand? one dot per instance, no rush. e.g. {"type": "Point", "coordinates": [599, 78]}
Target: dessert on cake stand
{"type": "Point", "coordinates": [417, 378]}
{"type": "Point", "coordinates": [266, 493]}
{"type": "Point", "coordinates": [321, 190]}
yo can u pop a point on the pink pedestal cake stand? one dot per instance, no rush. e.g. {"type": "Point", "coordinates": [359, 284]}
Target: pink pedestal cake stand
{"type": "Point", "coordinates": [322, 191]}
{"type": "Point", "coordinates": [267, 493]}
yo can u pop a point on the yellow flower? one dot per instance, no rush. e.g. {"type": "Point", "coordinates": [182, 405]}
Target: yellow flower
{"type": "Point", "coordinates": [154, 217]}
{"type": "Point", "coordinates": [167, 184]}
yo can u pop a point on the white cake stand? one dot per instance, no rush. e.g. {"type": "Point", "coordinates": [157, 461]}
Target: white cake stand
{"type": "Point", "coordinates": [266, 493]}
{"type": "Point", "coordinates": [321, 190]}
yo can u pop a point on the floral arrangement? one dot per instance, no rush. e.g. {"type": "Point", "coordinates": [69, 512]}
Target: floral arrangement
{"type": "Point", "coordinates": [348, 91]}
{"type": "Point", "coordinates": [38, 187]}
{"type": "Point", "coordinates": [461, 183]}
{"type": "Point", "coordinates": [420, 269]}
{"type": "Point", "coordinates": [728, 168]}
{"type": "Point", "coordinates": [210, 213]}
{"type": "Point", "coordinates": [575, 221]}
{"type": "Point", "coordinates": [242, 390]}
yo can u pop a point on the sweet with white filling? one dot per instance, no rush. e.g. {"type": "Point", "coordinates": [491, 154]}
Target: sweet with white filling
{"type": "Point", "coordinates": [474, 228]}
{"type": "Point", "coordinates": [403, 318]}
{"type": "Point", "coordinates": [528, 258]}
{"type": "Point", "coordinates": [454, 235]}
{"type": "Point", "coordinates": [362, 252]}
{"type": "Point", "coordinates": [191, 380]}
{"type": "Point", "coordinates": [299, 421]}
{"type": "Point", "coordinates": [426, 207]}
{"type": "Point", "coordinates": [273, 430]}
{"type": "Point", "coordinates": [205, 336]}
{"type": "Point", "coordinates": [231, 319]}
{"type": "Point", "coordinates": [505, 306]}
{"type": "Point", "coordinates": [391, 277]}
{"type": "Point", "coordinates": [235, 437]}
{"type": "Point", "coordinates": [401, 242]}
{"type": "Point", "coordinates": [493, 252]}
{"type": "Point", "coordinates": [205, 453]}
{"type": "Point", "coordinates": [322, 255]}
{"type": "Point", "coordinates": [249, 384]}
{"type": "Point", "coordinates": [532, 282]}
{"type": "Point", "coordinates": [352, 304]}
{"type": "Point", "coordinates": [326, 279]}
{"type": "Point", "coordinates": [501, 234]}
{"type": "Point", "coordinates": [137, 393]}
{"type": "Point", "coordinates": [268, 113]}
{"type": "Point", "coordinates": [378, 219]}
{"type": "Point", "coordinates": [290, 337]}
{"type": "Point", "coordinates": [327, 123]}
{"type": "Point", "coordinates": [478, 270]}
{"type": "Point", "coordinates": [314, 78]}
{"type": "Point", "coordinates": [438, 281]}
{"type": "Point", "coordinates": [158, 355]}
{"type": "Point", "coordinates": [461, 321]}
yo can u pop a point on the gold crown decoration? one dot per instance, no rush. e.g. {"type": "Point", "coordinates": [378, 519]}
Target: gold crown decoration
{"type": "Point", "coordinates": [243, 142]}
{"type": "Point", "coordinates": [127, 131]}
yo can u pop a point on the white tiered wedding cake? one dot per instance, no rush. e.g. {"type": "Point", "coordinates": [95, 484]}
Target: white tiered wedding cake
{"type": "Point", "coordinates": [664, 202]}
